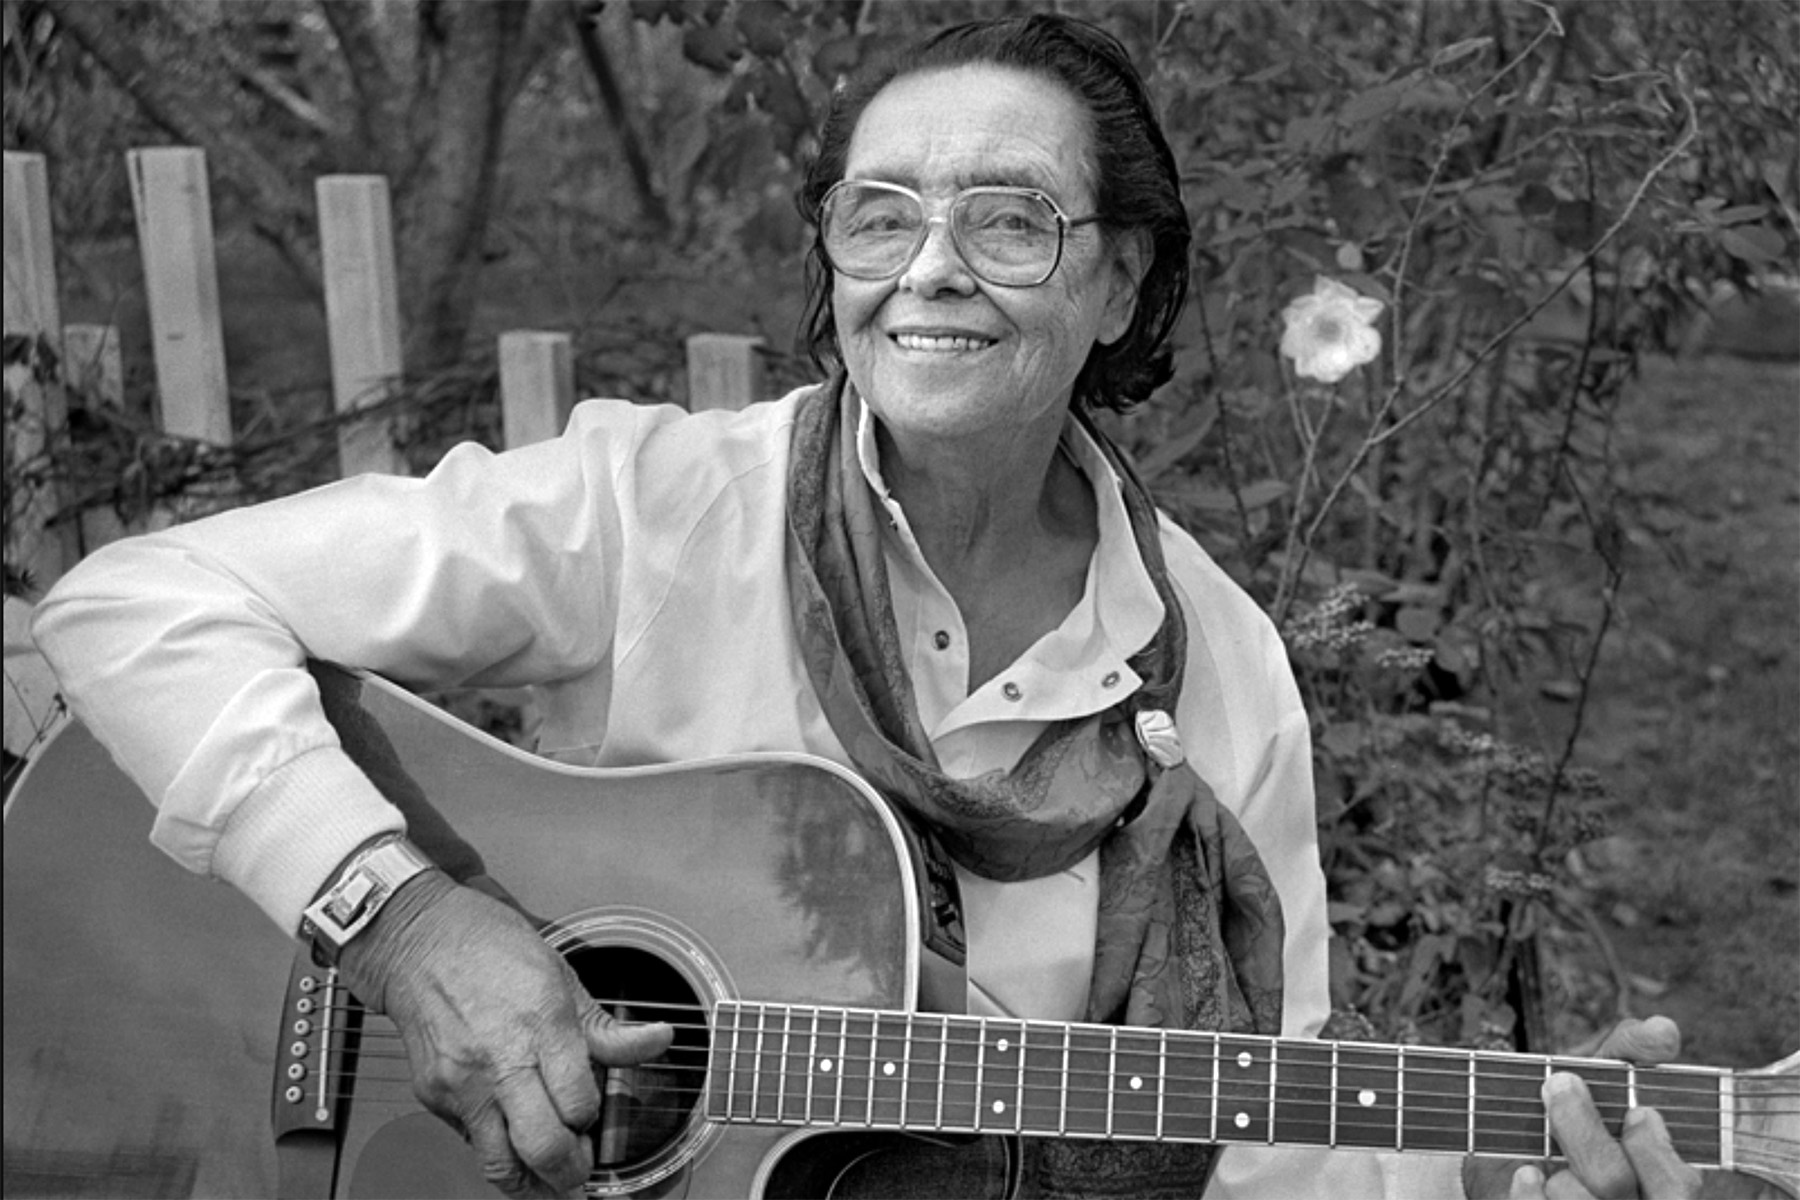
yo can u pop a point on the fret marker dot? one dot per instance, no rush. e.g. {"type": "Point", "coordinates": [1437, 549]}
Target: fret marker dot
{"type": "Point", "coordinates": [825, 1065]}
{"type": "Point", "coordinates": [887, 1068]}
{"type": "Point", "coordinates": [1137, 1083]}
{"type": "Point", "coordinates": [1244, 1060]}
{"type": "Point", "coordinates": [1242, 1120]}
{"type": "Point", "coordinates": [1002, 1045]}
{"type": "Point", "coordinates": [999, 1106]}
{"type": "Point", "coordinates": [1365, 1097]}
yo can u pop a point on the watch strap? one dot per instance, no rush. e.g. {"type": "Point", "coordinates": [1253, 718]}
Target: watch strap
{"type": "Point", "coordinates": [362, 887]}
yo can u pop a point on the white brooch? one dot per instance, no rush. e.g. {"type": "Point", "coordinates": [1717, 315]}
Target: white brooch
{"type": "Point", "coordinates": [1157, 735]}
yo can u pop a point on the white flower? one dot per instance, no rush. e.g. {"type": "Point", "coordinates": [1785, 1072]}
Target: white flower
{"type": "Point", "coordinates": [1331, 331]}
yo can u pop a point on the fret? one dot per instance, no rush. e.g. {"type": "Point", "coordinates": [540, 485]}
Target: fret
{"type": "Point", "coordinates": [760, 1109]}
{"type": "Point", "coordinates": [1334, 1087]}
{"type": "Point", "coordinates": [1218, 1056]}
{"type": "Point", "coordinates": [1549, 1142]}
{"type": "Point", "coordinates": [962, 1074]}
{"type": "Point", "coordinates": [887, 1076]}
{"type": "Point", "coordinates": [1697, 1105]}
{"type": "Point", "coordinates": [1001, 1078]}
{"type": "Point", "coordinates": [906, 1063]}
{"type": "Point", "coordinates": [1471, 1066]}
{"type": "Point", "coordinates": [1162, 1078]}
{"type": "Point", "coordinates": [1366, 1097]}
{"type": "Point", "coordinates": [1062, 1108]}
{"type": "Point", "coordinates": [1112, 1075]}
{"type": "Point", "coordinates": [981, 1044]}
{"type": "Point", "coordinates": [838, 1020]}
{"type": "Point", "coordinates": [787, 1028]}
{"type": "Point", "coordinates": [1509, 1107]}
{"type": "Point", "coordinates": [1400, 1098]}
{"type": "Point", "coordinates": [719, 1102]}
{"type": "Point", "coordinates": [1436, 1112]}
{"type": "Point", "coordinates": [1187, 1073]}
{"type": "Point", "coordinates": [796, 1073]}
{"type": "Point", "coordinates": [812, 1056]}
{"type": "Point", "coordinates": [1136, 1083]}
{"type": "Point", "coordinates": [943, 1070]}
{"type": "Point", "coordinates": [1301, 1110]}
{"type": "Point", "coordinates": [1089, 1055]}
{"type": "Point", "coordinates": [1274, 1068]}
{"type": "Point", "coordinates": [1245, 1071]}
{"type": "Point", "coordinates": [1019, 1098]}
{"type": "Point", "coordinates": [827, 1067]}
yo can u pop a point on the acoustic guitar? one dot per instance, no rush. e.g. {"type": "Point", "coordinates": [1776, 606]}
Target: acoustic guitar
{"type": "Point", "coordinates": [162, 1039]}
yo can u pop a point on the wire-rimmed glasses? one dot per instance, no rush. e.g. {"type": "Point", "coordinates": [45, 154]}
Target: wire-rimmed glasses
{"type": "Point", "coordinates": [1009, 236]}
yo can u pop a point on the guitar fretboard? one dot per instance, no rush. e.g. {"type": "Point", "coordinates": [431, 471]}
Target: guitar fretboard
{"type": "Point", "coordinates": [802, 1065]}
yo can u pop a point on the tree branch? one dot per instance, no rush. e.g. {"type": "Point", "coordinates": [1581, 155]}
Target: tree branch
{"type": "Point", "coordinates": [613, 100]}
{"type": "Point", "coordinates": [379, 121]}
{"type": "Point", "coordinates": [280, 215]}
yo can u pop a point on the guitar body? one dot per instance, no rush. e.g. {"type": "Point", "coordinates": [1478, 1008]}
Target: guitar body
{"type": "Point", "coordinates": [162, 1039]}
{"type": "Point", "coordinates": [141, 1002]}
{"type": "Point", "coordinates": [151, 1022]}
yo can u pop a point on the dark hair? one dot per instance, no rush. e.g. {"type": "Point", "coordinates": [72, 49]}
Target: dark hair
{"type": "Point", "coordinates": [1139, 186]}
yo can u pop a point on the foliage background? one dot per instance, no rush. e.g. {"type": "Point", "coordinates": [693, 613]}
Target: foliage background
{"type": "Point", "coordinates": [1545, 196]}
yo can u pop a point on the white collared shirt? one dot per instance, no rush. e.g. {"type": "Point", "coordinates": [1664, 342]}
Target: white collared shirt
{"type": "Point", "coordinates": [627, 571]}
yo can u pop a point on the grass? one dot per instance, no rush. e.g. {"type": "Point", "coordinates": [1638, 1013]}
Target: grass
{"type": "Point", "coordinates": [1696, 718]}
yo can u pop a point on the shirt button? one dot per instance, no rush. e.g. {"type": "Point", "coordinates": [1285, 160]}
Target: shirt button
{"type": "Point", "coordinates": [1111, 680]}
{"type": "Point", "coordinates": [1011, 691]}
{"type": "Point", "coordinates": [941, 640]}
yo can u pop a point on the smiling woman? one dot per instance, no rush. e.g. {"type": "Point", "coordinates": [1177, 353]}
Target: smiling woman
{"type": "Point", "coordinates": [930, 569]}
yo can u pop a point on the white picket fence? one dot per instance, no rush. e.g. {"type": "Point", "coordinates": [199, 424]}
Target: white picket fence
{"type": "Point", "coordinates": [173, 210]}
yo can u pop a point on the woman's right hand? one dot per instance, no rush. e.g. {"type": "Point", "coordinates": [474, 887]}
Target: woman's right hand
{"type": "Point", "coordinates": [499, 1032]}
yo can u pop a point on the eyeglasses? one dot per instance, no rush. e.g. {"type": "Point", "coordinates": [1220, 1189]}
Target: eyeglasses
{"type": "Point", "coordinates": [1008, 236]}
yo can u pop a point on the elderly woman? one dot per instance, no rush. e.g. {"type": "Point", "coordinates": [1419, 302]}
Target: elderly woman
{"type": "Point", "coordinates": [931, 569]}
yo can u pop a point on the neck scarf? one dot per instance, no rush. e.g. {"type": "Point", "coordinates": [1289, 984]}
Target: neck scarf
{"type": "Point", "coordinates": [1190, 929]}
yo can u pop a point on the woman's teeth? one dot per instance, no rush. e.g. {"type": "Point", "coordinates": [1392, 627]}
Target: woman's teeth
{"type": "Point", "coordinates": [937, 344]}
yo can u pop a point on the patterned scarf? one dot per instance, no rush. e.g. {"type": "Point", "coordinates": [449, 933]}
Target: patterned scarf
{"type": "Point", "coordinates": [1190, 930]}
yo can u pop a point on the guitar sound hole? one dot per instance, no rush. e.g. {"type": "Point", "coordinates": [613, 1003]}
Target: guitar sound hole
{"type": "Point", "coordinates": [644, 1109]}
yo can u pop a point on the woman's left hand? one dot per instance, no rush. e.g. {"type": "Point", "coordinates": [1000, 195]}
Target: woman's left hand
{"type": "Point", "coordinates": [1640, 1163]}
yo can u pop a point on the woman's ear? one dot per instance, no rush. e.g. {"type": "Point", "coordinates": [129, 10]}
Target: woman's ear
{"type": "Point", "coordinates": [1131, 255]}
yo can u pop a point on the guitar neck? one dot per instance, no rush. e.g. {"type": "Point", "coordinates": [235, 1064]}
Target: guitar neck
{"type": "Point", "coordinates": [801, 1065]}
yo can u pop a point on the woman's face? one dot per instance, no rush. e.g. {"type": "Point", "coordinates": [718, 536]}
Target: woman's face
{"type": "Point", "coordinates": [934, 351]}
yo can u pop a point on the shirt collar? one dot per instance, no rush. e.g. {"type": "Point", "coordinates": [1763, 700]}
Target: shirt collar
{"type": "Point", "coordinates": [1124, 596]}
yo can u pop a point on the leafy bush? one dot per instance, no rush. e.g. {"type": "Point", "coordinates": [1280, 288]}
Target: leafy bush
{"type": "Point", "coordinates": [1537, 196]}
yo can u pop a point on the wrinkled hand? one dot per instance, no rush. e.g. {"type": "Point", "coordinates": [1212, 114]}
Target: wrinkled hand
{"type": "Point", "coordinates": [498, 1030]}
{"type": "Point", "coordinates": [1641, 1163]}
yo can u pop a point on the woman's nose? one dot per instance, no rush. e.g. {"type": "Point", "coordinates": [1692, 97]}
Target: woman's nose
{"type": "Point", "coordinates": [937, 267]}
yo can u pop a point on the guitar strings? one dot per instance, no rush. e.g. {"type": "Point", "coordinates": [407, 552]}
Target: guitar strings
{"type": "Point", "coordinates": [859, 1090]}
{"type": "Point", "coordinates": [1350, 1079]}
{"type": "Point", "coordinates": [1087, 1120]}
{"type": "Point", "coordinates": [1383, 1125]}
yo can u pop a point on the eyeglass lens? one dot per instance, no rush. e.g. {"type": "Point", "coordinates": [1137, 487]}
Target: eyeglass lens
{"type": "Point", "coordinates": [1006, 237]}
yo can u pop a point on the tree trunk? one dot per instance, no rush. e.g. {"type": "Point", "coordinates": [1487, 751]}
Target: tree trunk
{"type": "Point", "coordinates": [434, 127]}
{"type": "Point", "coordinates": [472, 57]}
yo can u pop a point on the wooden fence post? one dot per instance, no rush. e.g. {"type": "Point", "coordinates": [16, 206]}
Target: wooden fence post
{"type": "Point", "coordinates": [32, 309]}
{"type": "Point", "coordinates": [181, 282]}
{"type": "Point", "coordinates": [362, 313]}
{"type": "Point", "coordinates": [724, 371]}
{"type": "Point", "coordinates": [537, 385]}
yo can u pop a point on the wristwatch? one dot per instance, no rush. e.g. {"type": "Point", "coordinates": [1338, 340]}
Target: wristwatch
{"type": "Point", "coordinates": [363, 886]}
